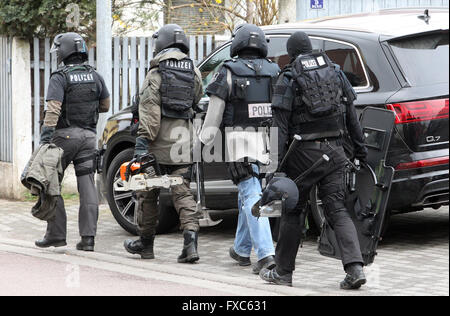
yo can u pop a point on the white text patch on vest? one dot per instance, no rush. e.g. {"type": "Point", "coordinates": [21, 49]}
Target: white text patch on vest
{"type": "Point", "coordinates": [309, 63]}
{"type": "Point", "coordinates": [81, 78]}
{"type": "Point", "coordinates": [179, 64]}
{"type": "Point", "coordinates": [258, 110]}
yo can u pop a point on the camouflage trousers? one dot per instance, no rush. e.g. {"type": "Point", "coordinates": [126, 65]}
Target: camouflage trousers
{"type": "Point", "coordinates": [183, 201]}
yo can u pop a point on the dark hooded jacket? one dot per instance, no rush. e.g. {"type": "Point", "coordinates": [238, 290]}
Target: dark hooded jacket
{"type": "Point", "coordinates": [284, 96]}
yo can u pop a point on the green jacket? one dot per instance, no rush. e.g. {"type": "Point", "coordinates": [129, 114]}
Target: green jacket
{"type": "Point", "coordinates": [165, 135]}
{"type": "Point", "coordinates": [42, 177]}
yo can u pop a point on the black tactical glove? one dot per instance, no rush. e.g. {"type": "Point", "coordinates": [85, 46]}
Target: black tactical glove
{"type": "Point", "coordinates": [141, 147]}
{"type": "Point", "coordinates": [46, 134]}
{"type": "Point", "coordinates": [362, 157]}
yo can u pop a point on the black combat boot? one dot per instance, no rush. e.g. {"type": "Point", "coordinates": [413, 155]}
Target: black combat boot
{"type": "Point", "coordinates": [273, 276]}
{"type": "Point", "coordinates": [46, 243]}
{"type": "Point", "coordinates": [243, 261]}
{"type": "Point", "coordinates": [189, 253]}
{"type": "Point", "coordinates": [355, 277]}
{"type": "Point", "coordinates": [265, 263]}
{"type": "Point", "coordinates": [87, 243]}
{"type": "Point", "coordinates": [143, 247]}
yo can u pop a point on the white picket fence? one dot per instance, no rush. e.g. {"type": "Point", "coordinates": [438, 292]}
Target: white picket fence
{"type": "Point", "coordinates": [130, 58]}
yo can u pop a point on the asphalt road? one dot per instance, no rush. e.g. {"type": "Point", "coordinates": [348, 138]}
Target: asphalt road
{"type": "Point", "coordinates": [413, 260]}
{"type": "Point", "coordinates": [31, 274]}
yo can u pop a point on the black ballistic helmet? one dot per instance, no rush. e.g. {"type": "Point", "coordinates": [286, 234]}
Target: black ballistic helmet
{"type": "Point", "coordinates": [298, 44]}
{"type": "Point", "coordinates": [280, 188]}
{"type": "Point", "coordinates": [249, 36]}
{"type": "Point", "coordinates": [68, 44]}
{"type": "Point", "coordinates": [171, 35]}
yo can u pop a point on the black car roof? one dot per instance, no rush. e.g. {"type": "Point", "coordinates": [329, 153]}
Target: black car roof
{"type": "Point", "coordinates": [392, 22]}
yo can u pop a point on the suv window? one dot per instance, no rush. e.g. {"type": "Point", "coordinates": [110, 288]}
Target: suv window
{"type": "Point", "coordinates": [347, 58]}
{"type": "Point", "coordinates": [213, 64]}
{"type": "Point", "coordinates": [424, 59]}
{"type": "Point", "coordinates": [277, 53]}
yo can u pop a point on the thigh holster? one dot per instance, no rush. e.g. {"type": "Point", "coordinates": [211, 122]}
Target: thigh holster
{"type": "Point", "coordinates": [84, 166]}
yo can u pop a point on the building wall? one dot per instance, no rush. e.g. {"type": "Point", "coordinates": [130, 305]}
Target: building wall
{"type": "Point", "coordinates": [339, 7]}
{"type": "Point", "coordinates": [287, 11]}
{"type": "Point", "coordinates": [10, 186]}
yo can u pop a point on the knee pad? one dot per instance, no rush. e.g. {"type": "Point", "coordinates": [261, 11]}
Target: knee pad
{"type": "Point", "coordinates": [84, 166]}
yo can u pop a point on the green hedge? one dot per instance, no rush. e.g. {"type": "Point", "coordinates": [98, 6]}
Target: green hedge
{"type": "Point", "coordinates": [45, 18]}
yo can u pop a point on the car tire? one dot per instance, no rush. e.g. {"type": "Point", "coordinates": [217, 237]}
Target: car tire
{"type": "Point", "coordinates": [123, 206]}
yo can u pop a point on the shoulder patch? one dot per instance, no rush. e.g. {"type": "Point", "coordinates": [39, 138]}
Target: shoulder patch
{"type": "Point", "coordinates": [216, 76]}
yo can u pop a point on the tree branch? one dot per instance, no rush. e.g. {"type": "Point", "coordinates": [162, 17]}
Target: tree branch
{"type": "Point", "coordinates": [219, 7]}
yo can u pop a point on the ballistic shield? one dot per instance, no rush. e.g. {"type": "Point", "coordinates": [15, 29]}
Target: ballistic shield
{"type": "Point", "coordinates": [367, 204]}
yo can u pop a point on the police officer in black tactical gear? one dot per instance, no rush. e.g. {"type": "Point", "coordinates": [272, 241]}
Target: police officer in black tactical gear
{"type": "Point", "coordinates": [314, 99]}
{"type": "Point", "coordinates": [76, 95]}
{"type": "Point", "coordinates": [240, 100]}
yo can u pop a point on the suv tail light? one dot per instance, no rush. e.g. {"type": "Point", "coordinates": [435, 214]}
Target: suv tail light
{"type": "Point", "coordinates": [409, 112]}
{"type": "Point", "coordinates": [423, 163]}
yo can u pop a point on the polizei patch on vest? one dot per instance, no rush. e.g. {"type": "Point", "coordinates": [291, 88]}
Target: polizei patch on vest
{"type": "Point", "coordinates": [258, 110]}
{"type": "Point", "coordinates": [309, 63]}
{"type": "Point", "coordinates": [179, 64]}
{"type": "Point", "coordinates": [81, 77]}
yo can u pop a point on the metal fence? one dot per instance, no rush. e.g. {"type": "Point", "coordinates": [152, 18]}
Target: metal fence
{"type": "Point", "coordinates": [307, 9]}
{"type": "Point", "coordinates": [5, 101]}
{"type": "Point", "coordinates": [130, 58]}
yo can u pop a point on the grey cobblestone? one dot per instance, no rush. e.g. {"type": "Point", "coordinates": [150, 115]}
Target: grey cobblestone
{"type": "Point", "coordinates": [413, 257]}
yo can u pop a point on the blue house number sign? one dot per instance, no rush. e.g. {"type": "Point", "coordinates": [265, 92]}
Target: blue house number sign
{"type": "Point", "coordinates": [316, 4]}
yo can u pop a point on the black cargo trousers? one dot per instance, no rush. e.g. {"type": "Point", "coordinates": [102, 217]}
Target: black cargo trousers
{"type": "Point", "coordinates": [330, 178]}
{"type": "Point", "coordinates": [79, 147]}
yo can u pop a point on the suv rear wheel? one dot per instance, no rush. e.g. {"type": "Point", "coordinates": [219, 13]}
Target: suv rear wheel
{"type": "Point", "coordinates": [124, 205]}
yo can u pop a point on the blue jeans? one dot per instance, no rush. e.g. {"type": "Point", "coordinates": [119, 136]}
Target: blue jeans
{"type": "Point", "coordinates": [251, 231]}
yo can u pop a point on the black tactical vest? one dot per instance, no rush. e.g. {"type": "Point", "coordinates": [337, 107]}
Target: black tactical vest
{"type": "Point", "coordinates": [177, 88]}
{"type": "Point", "coordinates": [318, 111]}
{"type": "Point", "coordinates": [251, 92]}
{"type": "Point", "coordinates": [81, 98]}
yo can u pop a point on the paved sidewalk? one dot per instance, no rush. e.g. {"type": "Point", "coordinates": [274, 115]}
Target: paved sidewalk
{"type": "Point", "coordinates": [413, 259]}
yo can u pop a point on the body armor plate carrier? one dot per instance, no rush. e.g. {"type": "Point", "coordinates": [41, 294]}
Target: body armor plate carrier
{"type": "Point", "coordinates": [81, 98]}
{"type": "Point", "coordinates": [177, 88]}
{"type": "Point", "coordinates": [250, 98]}
{"type": "Point", "coordinates": [318, 107]}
